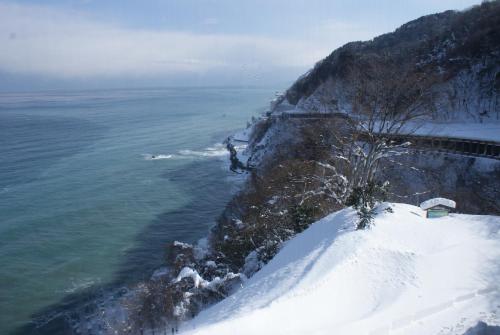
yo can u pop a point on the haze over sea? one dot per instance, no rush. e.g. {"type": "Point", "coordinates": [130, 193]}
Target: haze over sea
{"type": "Point", "coordinates": [94, 184]}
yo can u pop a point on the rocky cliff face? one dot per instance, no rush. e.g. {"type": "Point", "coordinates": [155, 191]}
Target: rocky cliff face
{"type": "Point", "coordinates": [460, 51]}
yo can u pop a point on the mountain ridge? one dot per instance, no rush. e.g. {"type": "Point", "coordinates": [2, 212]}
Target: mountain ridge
{"type": "Point", "coordinates": [458, 48]}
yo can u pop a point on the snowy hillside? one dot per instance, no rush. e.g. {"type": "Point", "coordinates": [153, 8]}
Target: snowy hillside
{"type": "Point", "coordinates": [456, 51]}
{"type": "Point", "coordinates": [406, 275]}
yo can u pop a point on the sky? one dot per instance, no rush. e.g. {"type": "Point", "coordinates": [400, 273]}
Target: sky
{"type": "Point", "coordinates": [56, 44]}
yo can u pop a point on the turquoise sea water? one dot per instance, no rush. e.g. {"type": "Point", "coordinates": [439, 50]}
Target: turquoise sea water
{"type": "Point", "coordinates": [83, 202]}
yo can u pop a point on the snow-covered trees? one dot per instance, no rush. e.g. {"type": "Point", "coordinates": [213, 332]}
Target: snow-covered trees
{"type": "Point", "coordinates": [388, 102]}
{"type": "Point", "coordinates": [328, 181]}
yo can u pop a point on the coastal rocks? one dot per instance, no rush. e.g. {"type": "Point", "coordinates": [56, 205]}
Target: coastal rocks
{"type": "Point", "coordinates": [236, 164]}
{"type": "Point", "coordinates": [180, 255]}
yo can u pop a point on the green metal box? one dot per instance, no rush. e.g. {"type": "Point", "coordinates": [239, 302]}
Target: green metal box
{"type": "Point", "coordinates": [436, 213]}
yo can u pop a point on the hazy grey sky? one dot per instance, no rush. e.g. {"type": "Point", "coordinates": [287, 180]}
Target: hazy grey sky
{"type": "Point", "coordinates": [130, 43]}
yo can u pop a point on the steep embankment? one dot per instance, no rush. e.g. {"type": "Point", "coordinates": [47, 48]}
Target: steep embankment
{"type": "Point", "coordinates": [409, 274]}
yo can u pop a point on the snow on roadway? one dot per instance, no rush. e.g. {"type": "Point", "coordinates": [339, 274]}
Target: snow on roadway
{"type": "Point", "coordinates": [487, 131]}
{"type": "Point", "coordinates": [473, 131]}
{"type": "Point", "coordinates": [406, 275]}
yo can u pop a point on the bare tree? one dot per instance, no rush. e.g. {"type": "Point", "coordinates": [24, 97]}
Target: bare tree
{"type": "Point", "coordinates": [389, 102]}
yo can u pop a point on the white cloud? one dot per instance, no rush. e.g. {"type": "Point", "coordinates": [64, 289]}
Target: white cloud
{"type": "Point", "coordinates": [64, 44]}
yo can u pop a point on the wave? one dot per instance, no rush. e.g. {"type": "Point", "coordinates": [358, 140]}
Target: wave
{"type": "Point", "coordinates": [79, 284]}
{"type": "Point", "coordinates": [150, 157]}
{"type": "Point", "coordinates": [217, 150]}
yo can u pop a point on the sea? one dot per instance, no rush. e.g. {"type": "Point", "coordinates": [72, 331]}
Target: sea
{"type": "Point", "coordinates": [94, 185]}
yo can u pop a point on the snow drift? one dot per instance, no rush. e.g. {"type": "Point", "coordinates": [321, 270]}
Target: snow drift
{"type": "Point", "coordinates": [406, 275]}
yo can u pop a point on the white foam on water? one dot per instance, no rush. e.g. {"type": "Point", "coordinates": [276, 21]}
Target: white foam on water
{"type": "Point", "coordinates": [150, 157]}
{"type": "Point", "coordinates": [205, 153]}
{"type": "Point", "coordinates": [218, 150]}
{"type": "Point", "coordinates": [79, 284]}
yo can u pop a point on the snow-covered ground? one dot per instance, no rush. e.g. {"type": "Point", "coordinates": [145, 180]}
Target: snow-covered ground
{"type": "Point", "coordinates": [242, 135]}
{"type": "Point", "coordinates": [406, 275]}
{"type": "Point", "coordinates": [473, 131]}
